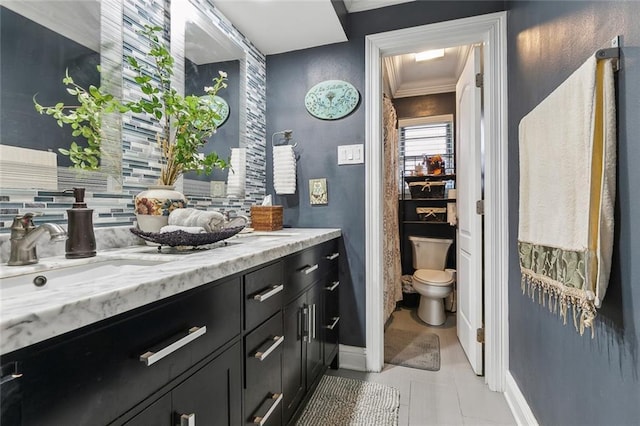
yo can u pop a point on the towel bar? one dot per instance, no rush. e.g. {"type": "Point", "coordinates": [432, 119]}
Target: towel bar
{"type": "Point", "coordinates": [610, 53]}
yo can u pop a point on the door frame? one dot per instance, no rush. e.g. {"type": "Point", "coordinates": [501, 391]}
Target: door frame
{"type": "Point", "coordinates": [489, 29]}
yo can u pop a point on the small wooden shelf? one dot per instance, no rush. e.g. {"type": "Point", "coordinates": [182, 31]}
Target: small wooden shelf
{"type": "Point", "coordinates": [429, 199]}
{"type": "Point", "coordinates": [426, 178]}
{"type": "Point", "coordinates": [424, 222]}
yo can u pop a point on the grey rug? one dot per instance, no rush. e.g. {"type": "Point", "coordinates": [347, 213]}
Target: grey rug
{"type": "Point", "coordinates": [412, 349]}
{"type": "Point", "coordinates": [341, 401]}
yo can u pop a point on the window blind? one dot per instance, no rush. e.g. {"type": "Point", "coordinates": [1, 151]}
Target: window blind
{"type": "Point", "coordinates": [418, 141]}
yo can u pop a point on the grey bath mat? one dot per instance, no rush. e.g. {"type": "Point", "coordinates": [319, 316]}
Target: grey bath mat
{"type": "Point", "coordinates": [351, 402]}
{"type": "Point", "coordinates": [412, 349]}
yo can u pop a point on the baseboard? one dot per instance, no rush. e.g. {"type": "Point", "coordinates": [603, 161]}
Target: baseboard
{"type": "Point", "coordinates": [517, 402]}
{"type": "Point", "coordinates": [353, 358]}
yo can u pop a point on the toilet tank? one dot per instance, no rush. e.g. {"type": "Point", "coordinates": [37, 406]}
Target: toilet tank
{"type": "Point", "coordinates": [429, 253]}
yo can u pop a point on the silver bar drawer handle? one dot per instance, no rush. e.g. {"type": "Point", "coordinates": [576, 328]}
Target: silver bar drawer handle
{"type": "Point", "coordinates": [188, 420]}
{"type": "Point", "coordinates": [310, 269]}
{"type": "Point", "coordinates": [313, 323]}
{"type": "Point", "coordinates": [277, 340]}
{"type": "Point", "coordinates": [261, 420]}
{"type": "Point", "coordinates": [332, 256]}
{"type": "Point", "coordinates": [306, 334]}
{"type": "Point", "coordinates": [261, 297]}
{"type": "Point", "coordinates": [333, 286]}
{"type": "Point", "coordinates": [335, 322]}
{"type": "Point", "coordinates": [152, 357]}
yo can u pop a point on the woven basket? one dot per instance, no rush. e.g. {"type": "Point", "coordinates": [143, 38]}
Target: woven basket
{"type": "Point", "coordinates": [266, 218]}
{"type": "Point", "coordinates": [427, 189]}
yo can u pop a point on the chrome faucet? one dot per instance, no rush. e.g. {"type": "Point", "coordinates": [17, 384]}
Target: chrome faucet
{"type": "Point", "coordinates": [24, 235]}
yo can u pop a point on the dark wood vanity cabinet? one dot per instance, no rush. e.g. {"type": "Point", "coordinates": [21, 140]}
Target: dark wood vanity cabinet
{"type": "Point", "coordinates": [242, 350]}
{"type": "Point", "coordinates": [308, 348]}
{"type": "Point", "coordinates": [93, 375]}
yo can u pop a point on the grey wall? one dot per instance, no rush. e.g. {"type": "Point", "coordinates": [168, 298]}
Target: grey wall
{"type": "Point", "coordinates": [568, 379]}
{"type": "Point", "coordinates": [425, 106]}
{"type": "Point", "coordinates": [289, 76]}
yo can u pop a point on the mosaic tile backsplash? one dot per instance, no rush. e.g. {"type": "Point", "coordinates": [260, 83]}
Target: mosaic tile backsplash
{"type": "Point", "coordinates": [140, 167]}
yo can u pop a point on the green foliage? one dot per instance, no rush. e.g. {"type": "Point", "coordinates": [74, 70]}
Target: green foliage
{"type": "Point", "coordinates": [85, 120]}
{"type": "Point", "coordinates": [187, 120]}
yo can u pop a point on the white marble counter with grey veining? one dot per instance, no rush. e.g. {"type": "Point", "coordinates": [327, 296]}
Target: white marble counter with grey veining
{"type": "Point", "coordinates": [45, 312]}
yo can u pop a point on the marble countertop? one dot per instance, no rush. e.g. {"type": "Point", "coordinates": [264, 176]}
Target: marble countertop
{"type": "Point", "coordinates": [48, 312]}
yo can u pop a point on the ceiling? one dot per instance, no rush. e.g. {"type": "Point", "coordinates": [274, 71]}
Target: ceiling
{"type": "Point", "coordinates": [278, 26]}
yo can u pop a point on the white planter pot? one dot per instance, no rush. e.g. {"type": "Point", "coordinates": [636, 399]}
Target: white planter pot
{"type": "Point", "coordinates": [152, 207]}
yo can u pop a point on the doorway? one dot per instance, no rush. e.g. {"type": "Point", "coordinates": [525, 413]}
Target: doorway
{"type": "Point", "coordinates": [491, 31]}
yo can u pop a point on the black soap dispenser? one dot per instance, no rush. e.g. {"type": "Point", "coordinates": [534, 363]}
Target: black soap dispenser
{"type": "Point", "coordinates": [81, 241]}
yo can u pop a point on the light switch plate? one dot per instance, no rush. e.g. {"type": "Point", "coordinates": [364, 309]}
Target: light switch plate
{"type": "Point", "coordinates": [350, 154]}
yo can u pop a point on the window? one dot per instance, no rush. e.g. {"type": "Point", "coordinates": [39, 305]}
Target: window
{"type": "Point", "coordinates": [424, 137]}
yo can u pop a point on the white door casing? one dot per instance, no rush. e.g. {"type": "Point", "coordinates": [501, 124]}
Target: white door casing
{"type": "Point", "coordinates": [469, 190]}
{"type": "Point", "coordinates": [489, 29]}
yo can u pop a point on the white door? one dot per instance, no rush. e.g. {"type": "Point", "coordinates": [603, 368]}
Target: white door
{"type": "Point", "coordinates": [469, 190]}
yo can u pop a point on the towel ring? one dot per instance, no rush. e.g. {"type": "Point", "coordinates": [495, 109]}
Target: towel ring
{"type": "Point", "coordinates": [288, 134]}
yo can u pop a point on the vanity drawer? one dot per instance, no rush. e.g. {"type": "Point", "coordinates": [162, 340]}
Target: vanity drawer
{"type": "Point", "coordinates": [262, 294]}
{"type": "Point", "coordinates": [263, 374]}
{"type": "Point", "coordinates": [96, 374]}
{"type": "Point", "coordinates": [301, 270]}
{"type": "Point", "coordinates": [329, 256]}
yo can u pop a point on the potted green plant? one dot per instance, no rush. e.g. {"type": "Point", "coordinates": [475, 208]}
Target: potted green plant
{"type": "Point", "coordinates": [187, 123]}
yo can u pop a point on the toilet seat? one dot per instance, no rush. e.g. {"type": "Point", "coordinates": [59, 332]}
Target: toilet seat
{"type": "Point", "coordinates": [433, 277]}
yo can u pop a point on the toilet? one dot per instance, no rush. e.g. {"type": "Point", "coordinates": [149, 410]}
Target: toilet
{"type": "Point", "coordinates": [430, 279]}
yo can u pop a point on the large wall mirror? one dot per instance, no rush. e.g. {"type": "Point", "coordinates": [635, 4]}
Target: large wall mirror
{"type": "Point", "coordinates": [93, 32]}
{"type": "Point", "coordinates": [202, 50]}
{"type": "Point", "coordinates": [41, 40]}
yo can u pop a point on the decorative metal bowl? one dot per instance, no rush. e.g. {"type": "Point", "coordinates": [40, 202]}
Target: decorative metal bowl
{"type": "Point", "coordinates": [182, 238]}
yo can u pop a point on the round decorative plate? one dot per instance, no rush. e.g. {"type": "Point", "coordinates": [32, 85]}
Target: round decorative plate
{"type": "Point", "coordinates": [219, 105]}
{"type": "Point", "coordinates": [331, 99]}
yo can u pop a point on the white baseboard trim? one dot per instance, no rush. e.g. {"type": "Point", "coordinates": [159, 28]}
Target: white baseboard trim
{"type": "Point", "coordinates": [517, 402]}
{"type": "Point", "coordinates": [353, 358]}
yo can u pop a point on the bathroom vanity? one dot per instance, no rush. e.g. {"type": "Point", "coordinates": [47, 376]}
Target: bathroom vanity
{"type": "Point", "coordinates": [238, 334]}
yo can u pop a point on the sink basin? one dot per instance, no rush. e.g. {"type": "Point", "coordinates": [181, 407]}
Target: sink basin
{"type": "Point", "coordinates": [263, 236]}
{"type": "Point", "coordinates": [65, 276]}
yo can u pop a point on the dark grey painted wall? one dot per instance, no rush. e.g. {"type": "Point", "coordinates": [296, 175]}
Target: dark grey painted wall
{"type": "Point", "coordinates": [33, 60]}
{"type": "Point", "coordinates": [568, 379]}
{"type": "Point", "coordinates": [227, 135]}
{"type": "Point", "coordinates": [425, 106]}
{"type": "Point", "coordinates": [289, 76]}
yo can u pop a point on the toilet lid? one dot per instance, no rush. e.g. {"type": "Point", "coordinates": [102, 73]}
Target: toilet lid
{"type": "Point", "coordinates": [433, 277]}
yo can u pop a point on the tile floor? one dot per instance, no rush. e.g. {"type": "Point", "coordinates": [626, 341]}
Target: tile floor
{"type": "Point", "coordinates": [452, 396]}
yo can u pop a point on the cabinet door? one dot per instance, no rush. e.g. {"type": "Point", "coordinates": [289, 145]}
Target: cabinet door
{"type": "Point", "coordinates": [10, 396]}
{"type": "Point", "coordinates": [159, 413]}
{"type": "Point", "coordinates": [211, 396]}
{"type": "Point", "coordinates": [314, 355]}
{"type": "Point", "coordinates": [293, 367]}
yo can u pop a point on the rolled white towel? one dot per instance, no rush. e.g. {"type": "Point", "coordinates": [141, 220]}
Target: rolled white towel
{"type": "Point", "coordinates": [284, 169]}
{"type": "Point", "coordinates": [189, 229]}
{"type": "Point", "coordinates": [209, 220]}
